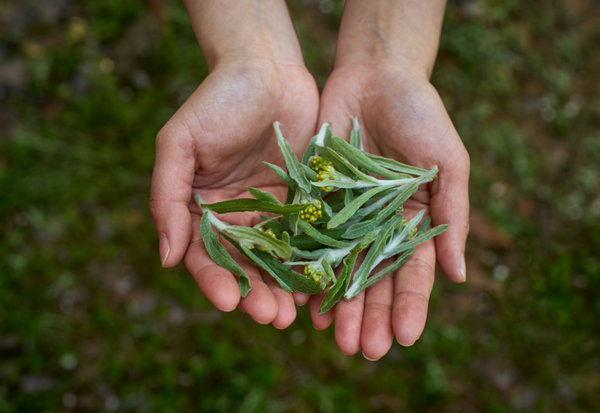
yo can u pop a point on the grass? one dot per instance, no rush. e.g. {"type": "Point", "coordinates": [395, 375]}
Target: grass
{"type": "Point", "coordinates": [89, 321]}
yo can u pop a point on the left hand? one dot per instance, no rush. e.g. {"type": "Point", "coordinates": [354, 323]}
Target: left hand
{"type": "Point", "coordinates": [402, 117]}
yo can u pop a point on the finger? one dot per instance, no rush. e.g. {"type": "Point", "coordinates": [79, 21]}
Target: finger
{"type": "Point", "coordinates": [260, 303]}
{"type": "Point", "coordinates": [450, 205]}
{"type": "Point", "coordinates": [215, 282]}
{"type": "Point", "coordinates": [320, 321]}
{"type": "Point", "coordinates": [171, 193]}
{"type": "Point", "coordinates": [300, 298]}
{"type": "Point", "coordinates": [221, 288]}
{"type": "Point", "coordinates": [286, 313]}
{"type": "Point", "coordinates": [412, 288]}
{"type": "Point", "coordinates": [348, 323]}
{"type": "Point", "coordinates": [376, 334]}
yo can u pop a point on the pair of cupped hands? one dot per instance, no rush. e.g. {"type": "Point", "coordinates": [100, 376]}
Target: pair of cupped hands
{"type": "Point", "coordinates": [216, 142]}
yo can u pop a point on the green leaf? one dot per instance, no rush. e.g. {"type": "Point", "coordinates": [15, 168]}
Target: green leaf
{"type": "Point", "coordinates": [337, 290]}
{"type": "Point", "coordinates": [250, 253]}
{"type": "Point", "coordinates": [284, 274]}
{"type": "Point", "coordinates": [271, 223]}
{"type": "Point", "coordinates": [294, 219]}
{"type": "Point", "coordinates": [404, 230]}
{"type": "Point", "coordinates": [389, 269]}
{"type": "Point", "coordinates": [327, 138]}
{"type": "Point", "coordinates": [323, 138]}
{"type": "Point", "coordinates": [281, 173]}
{"type": "Point", "coordinates": [285, 237]}
{"type": "Point", "coordinates": [375, 251]}
{"type": "Point", "coordinates": [349, 210]}
{"type": "Point", "coordinates": [361, 228]}
{"type": "Point", "coordinates": [262, 195]}
{"type": "Point", "coordinates": [342, 182]}
{"type": "Point", "coordinates": [310, 255]}
{"type": "Point", "coordinates": [291, 162]}
{"type": "Point", "coordinates": [249, 204]}
{"type": "Point", "coordinates": [405, 192]}
{"type": "Point", "coordinates": [328, 270]}
{"type": "Point", "coordinates": [335, 201]}
{"type": "Point", "coordinates": [355, 134]}
{"type": "Point", "coordinates": [316, 235]}
{"type": "Point", "coordinates": [291, 194]}
{"type": "Point", "coordinates": [424, 225]}
{"type": "Point", "coordinates": [339, 158]}
{"type": "Point", "coordinates": [220, 255]}
{"type": "Point", "coordinates": [368, 210]}
{"type": "Point", "coordinates": [396, 166]}
{"type": "Point", "coordinates": [348, 197]}
{"type": "Point", "coordinates": [306, 242]}
{"type": "Point", "coordinates": [418, 239]}
{"type": "Point", "coordinates": [310, 174]}
{"type": "Point", "coordinates": [259, 238]}
{"type": "Point", "coordinates": [310, 151]}
{"type": "Point", "coordinates": [360, 158]}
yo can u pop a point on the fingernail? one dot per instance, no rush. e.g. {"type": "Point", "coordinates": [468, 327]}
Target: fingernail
{"type": "Point", "coordinates": [463, 268]}
{"type": "Point", "coordinates": [163, 246]}
{"type": "Point", "coordinates": [363, 353]}
{"type": "Point", "coordinates": [407, 345]}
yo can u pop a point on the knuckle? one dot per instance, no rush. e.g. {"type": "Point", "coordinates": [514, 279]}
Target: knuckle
{"type": "Point", "coordinates": [154, 207]}
{"type": "Point", "coordinates": [412, 294]}
{"type": "Point", "coordinates": [172, 137]}
{"type": "Point", "coordinates": [418, 265]}
{"type": "Point", "coordinates": [463, 161]}
{"type": "Point", "coordinates": [162, 135]}
{"type": "Point", "coordinates": [378, 307]}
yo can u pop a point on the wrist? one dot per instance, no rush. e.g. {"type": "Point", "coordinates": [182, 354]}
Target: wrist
{"type": "Point", "coordinates": [252, 55]}
{"type": "Point", "coordinates": [388, 33]}
{"type": "Point", "coordinates": [229, 30]}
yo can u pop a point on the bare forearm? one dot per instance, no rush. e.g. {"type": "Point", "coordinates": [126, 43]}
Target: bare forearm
{"type": "Point", "coordinates": [233, 29]}
{"type": "Point", "coordinates": [403, 32]}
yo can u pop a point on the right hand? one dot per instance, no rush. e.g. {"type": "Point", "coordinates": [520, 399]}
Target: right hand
{"type": "Point", "coordinates": [214, 145]}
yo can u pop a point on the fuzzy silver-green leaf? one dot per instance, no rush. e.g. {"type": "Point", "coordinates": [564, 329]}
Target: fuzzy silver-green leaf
{"type": "Point", "coordinates": [292, 164]}
{"type": "Point", "coordinates": [260, 238]}
{"type": "Point", "coordinates": [219, 254]}
{"type": "Point", "coordinates": [249, 204]}
{"type": "Point", "coordinates": [348, 211]}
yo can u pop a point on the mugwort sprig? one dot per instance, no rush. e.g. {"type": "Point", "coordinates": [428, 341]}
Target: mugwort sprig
{"type": "Point", "coordinates": [334, 210]}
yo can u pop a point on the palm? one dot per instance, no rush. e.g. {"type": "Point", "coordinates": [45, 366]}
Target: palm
{"type": "Point", "coordinates": [401, 118]}
{"type": "Point", "coordinates": [223, 134]}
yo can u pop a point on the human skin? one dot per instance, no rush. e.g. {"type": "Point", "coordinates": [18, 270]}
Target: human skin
{"type": "Point", "coordinates": [216, 142]}
{"type": "Point", "coordinates": [385, 54]}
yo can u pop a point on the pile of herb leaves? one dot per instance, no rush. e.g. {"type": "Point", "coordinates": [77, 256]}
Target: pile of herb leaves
{"type": "Point", "coordinates": [334, 210]}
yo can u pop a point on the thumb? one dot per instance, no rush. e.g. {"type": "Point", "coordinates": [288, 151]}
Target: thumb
{"type": "Point", "coordinates": [450, 205]}
{"type": "Point", "coordinates": [171, 193]}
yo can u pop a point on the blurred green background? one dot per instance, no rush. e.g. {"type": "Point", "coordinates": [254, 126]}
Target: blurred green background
{"type": "Point", "coordinates": [89, 321]}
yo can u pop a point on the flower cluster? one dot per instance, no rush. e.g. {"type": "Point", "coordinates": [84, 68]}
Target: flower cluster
{"type": "Point", "coordinates": [318, 162]}
{"type": "Point", "coordinates": [314, 273]}
{"type": "Point", "coordinates": [324, 169]}
{"type": "Point", "coordinates": [312, 212]}
{"type": "Point", "coordinates": [270, 233]}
